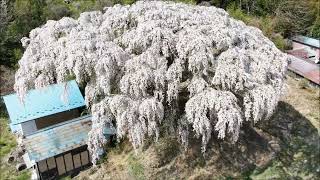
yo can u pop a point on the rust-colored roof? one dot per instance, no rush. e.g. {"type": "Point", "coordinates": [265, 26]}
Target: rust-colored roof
{"type": "Point", "coordinates": [306, 69]}
{"type": "Point", "coordinates": [299, 53]}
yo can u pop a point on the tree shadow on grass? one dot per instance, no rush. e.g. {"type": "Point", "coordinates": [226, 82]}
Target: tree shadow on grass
{"type": "Point", "coordinates": [288, 140]}
{"type": "Point", "coordinates": [284, 147]}
{"type": "Point", "coordinates": [299, 141]}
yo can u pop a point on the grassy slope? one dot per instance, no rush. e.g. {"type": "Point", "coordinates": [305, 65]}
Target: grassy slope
{"type": "Point", "coordinates": [305, 100]}
{"type": "Point", "coordinates": [295, 126]}
{"type": "Point", "coordinates": [300, 155]}
{"type": "Point", "coordinates": [299, 109]}
{"type": "Point", "coordinates": [7, 143]}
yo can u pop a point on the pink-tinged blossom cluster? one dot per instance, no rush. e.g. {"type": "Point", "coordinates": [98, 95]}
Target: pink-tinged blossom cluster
{"type": "Point", "coordinates": [154, 64]}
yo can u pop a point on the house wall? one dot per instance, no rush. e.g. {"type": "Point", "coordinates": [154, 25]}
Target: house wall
{"type": "Point", "coordinates": [66, 163]}
{"type": "Point", "coordinates": [56, 118]}
{"type": "Point", "coordinates": [28, 127]}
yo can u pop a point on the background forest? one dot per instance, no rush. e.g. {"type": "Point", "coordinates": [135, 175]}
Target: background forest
{"type": "Point", "coordinates": [278, 19]}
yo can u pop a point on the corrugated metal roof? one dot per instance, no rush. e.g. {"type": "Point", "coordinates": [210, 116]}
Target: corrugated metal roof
{"type": "Point", "coordinates": [58, 139]}
{"type": "Point", "coordinates": [307, 41]}
{"type": "Point", "coordinates": [306, 69]}
{"type": "Point", "coordinates": [43, 102]}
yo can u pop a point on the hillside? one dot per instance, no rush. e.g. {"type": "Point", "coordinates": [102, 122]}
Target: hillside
{"type": "Point", "coordinates": [287, 146]}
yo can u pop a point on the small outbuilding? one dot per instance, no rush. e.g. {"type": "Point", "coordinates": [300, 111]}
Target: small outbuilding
{"type": "Point", "coordinates": [53, 129]}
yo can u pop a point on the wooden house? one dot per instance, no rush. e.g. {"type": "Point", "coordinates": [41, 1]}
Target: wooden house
{"type": "Point", "coordinates": [54, 131]}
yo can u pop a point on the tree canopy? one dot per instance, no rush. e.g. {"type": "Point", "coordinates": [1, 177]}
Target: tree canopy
{"type": "Point", "coordinates": [278, 19]}
{"type": "Point", "coordinates": [159, 66]}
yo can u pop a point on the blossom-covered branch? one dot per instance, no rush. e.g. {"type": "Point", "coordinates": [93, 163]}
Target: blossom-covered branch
{"type": "Point", "coordinates": [155, 62]}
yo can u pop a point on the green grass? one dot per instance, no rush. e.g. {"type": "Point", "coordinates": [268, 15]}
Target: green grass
{"type": "Point", "coordinates": [135, 168]}
{"type": "Point", "coordinates": [166, 149]}
{"type": "Point", "coordinates": [7, 143]}
{"type": "Point", "coordinates": [66, 178]}
{"type": "Point", "coordinates": [274, 171]}
{"type": "Point", "coordinates": [300, 150]}
{"type": "Point", "coordinates": [7, 140]}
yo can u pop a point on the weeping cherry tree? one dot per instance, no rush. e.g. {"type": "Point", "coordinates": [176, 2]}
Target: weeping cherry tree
{"type": "Point", "coordinates": [159, 64]}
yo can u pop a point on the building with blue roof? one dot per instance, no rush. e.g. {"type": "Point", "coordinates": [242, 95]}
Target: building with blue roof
{"type": "Point", "coordinates": [44, 102]}
{"type": "Point", "coordinates": [54, 132]}
{"type": "Point", "coordinates": [308, 41]}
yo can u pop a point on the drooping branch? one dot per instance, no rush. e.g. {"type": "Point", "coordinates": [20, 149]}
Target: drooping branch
{"type": "Point", "coordinates": [192, 67]}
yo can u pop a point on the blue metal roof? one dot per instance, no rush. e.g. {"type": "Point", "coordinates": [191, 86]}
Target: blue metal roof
{"type": "Point", "coordinates": [50, 142]}
{"type": "Point", "coordinates": [307, 41]}
{"type": "Point", "coordinates": [43, 102]}
{"type": "Point", "coordinates": [59, 138]}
